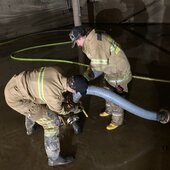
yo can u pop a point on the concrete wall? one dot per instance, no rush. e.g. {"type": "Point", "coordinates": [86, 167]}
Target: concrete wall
{"type": "Point", "coordinates": [20, 17]}
{"type": "Point", "coordinates": [131, 11]}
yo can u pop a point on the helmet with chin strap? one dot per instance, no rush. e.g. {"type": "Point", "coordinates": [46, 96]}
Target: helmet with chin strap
{"type": "Point", "coordinates": [76, 33]}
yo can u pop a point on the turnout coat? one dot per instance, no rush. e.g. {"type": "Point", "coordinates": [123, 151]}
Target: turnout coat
{"type": "Point", "coordinates": [106, 56]}
{"type": "Point", "coordinates": [33, 93]}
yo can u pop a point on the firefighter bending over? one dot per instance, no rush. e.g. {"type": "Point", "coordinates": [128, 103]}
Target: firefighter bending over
{"type": "Point", "coordinates": [38, 95]}
{"type": "Point", "coordinates": [105, 57]}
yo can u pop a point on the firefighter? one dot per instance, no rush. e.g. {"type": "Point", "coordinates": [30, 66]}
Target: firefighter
{"type": "Point", "coordinates": [39, 96]}
{"type": "Point", "coordinates": [105, 57]}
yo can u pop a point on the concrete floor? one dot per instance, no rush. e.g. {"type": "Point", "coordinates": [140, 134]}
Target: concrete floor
{"type": "Point", "coordinates": [138, 144]}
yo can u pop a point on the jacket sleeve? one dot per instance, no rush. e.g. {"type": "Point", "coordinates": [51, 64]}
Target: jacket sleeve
{"type": "Point", "coordinates": [99, 56]}
{"type": "Point", "coordinates": [55, 104]}
{"type": "Point", "coordinates": [99, 61]}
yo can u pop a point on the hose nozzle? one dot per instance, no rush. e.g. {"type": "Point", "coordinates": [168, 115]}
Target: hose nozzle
{"type": "Point", "coordinates": [164, 116]}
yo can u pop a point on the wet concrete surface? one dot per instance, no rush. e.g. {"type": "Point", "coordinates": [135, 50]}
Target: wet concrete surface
{"type": "Point", "coordinates": [138, 144]}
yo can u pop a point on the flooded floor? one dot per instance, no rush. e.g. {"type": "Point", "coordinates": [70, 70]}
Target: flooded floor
{"type": "Point", "coordinates": [139, 144]}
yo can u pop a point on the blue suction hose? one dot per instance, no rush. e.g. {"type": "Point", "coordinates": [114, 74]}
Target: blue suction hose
{"type": "Point", "coordinates": [163, 116]}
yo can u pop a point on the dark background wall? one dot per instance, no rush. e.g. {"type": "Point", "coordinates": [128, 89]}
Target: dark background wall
{"type": "Point", "coordinates": [20, 17]}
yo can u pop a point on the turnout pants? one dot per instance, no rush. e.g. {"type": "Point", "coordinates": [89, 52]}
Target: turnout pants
{"type": "Point", "coordinates": [21, 102]}
{"type": "Point", "coordinates": [114, 110]}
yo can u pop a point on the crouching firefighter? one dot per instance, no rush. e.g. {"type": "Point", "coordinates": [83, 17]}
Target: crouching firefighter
{"type": "Point", "coordinates": [38, 95]}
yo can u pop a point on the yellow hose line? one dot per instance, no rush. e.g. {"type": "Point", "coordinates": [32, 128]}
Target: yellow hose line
{"type": "Point", "coordinates": [68, 62]}
{"type": "Point", "coordinates": [44, 60]}
{"type": "Point", "coordinates": [48, 60]}
{"type": "Point", "coordinates": [151, 79]}
{"type": "Point", "coordinates": [42, 46]}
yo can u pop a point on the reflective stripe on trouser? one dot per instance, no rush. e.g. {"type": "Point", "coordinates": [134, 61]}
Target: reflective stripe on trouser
{"type": "Point", "coordinates": [114, 110]}
{"type": "Point", "coordinates": [51, 131]}
{"type": "Point", "coordinates": [114, 81]}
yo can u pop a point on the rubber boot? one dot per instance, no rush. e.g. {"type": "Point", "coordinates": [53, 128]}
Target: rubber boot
{"type": "Point", "coordinates": [104, 114]}
{"type": "Point", "coordinates": [108, 110]}
{"type": "Point", "coordinates": [117, 120]}
{"type": "Point", "coordinates": [29, 125]}
{"type": "Point", "coordinates": [60, 161]}
{"type": "Point", "coordinates": [52, 147]}
{"type": "Point", "coordinates": [111, 126]}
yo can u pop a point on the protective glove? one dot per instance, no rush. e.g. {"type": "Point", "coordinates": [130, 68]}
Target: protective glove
{"type": "Point", "coordinates": [88, 74]}
{"type": "Point", "coordinates": [69, 105]}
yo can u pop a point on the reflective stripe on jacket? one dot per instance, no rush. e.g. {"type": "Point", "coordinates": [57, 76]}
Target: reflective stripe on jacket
{"type": "Point", "coordinates": [106, 56]}
{"type": "Point", "coordinates": [41, 84]}
{"type": "Point", "coordinates": [44, 86]}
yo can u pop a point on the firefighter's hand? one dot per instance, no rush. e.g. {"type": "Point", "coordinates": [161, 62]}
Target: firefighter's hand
{"type": "Point", "coordinates": [119, 89]}
{"type": "Point", "coordinates": [68, 103]}
{"type": "Point", "coordinates": [88, 74]}
{"type": "Point", "coordinates": [77, 109]}
{"type": "Point", "coordinates": [72, 107]}
{"type": "Point", "coordinates": [68, 107]}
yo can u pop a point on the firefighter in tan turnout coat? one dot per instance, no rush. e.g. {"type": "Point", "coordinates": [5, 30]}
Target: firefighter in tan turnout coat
{"type": "Point", "coordinates": [106, 57]}
{"type": "Point", "coordinates": [38, 95]}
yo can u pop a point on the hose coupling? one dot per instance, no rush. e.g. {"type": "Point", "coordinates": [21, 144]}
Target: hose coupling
{"type": "Point", "coordinates": [164, 116]}
{"type": "Point", "coordinates": [72, 119]}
